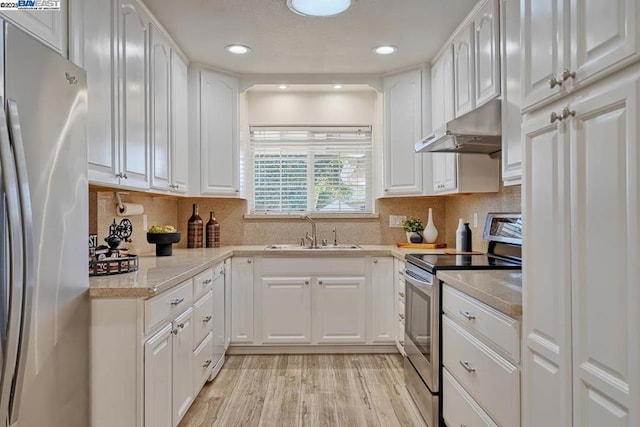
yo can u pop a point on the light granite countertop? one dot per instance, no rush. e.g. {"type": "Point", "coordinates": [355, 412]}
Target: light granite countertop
{"type": "Point", "coordinates": [158, 274]}
{"type": "Point", "coordinates": [500, 289]}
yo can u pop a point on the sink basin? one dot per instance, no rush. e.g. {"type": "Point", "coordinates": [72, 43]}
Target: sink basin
{"type": "Point", "coordinates": [294, 247]}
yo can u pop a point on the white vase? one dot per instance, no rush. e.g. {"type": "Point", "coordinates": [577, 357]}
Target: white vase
{"type": "Point", "coordinates": [430, 231]}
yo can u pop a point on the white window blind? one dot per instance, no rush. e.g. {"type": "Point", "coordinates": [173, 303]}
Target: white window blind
{"type": "Point", "coordinates": [310, 169]}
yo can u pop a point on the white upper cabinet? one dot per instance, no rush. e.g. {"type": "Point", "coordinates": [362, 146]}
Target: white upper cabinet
{"type": "Point", "coordinates": [48, 26]}
{"type": "Point", "coordinates": [570, 44]}
{"type": "Point", "coordinates": [463, 71]}
{"type": "Point", "coordinates": [160, 111]}
{"type": "Point", "coordinates": [132, 81]}
{"type": "Point", "coordinates": [445, 172]}
{"type": "Point", "coordinates": [179, 124]}
{"type": "Point", "coordinates": [442, 89]}
{"type": "Point", "coordinates": [486, 53]}
{"type": "Point", "coordinates": [219, 146]}
{"type": "Point", "coordinates": [403, 128]}
{"type": "Point", "coordinates": [511, 91]}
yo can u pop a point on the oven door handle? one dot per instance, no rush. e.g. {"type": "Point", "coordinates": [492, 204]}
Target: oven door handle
{"type": "Point", "coordinates": [416, 281]}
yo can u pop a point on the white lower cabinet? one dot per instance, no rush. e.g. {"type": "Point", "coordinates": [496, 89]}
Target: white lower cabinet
{"type": "Point", "coordinates": [459, 408]}
{"type": "Point", "coordinates": [286, 310]}
{"type": "Point", "coordinates": [158, 356]}
{"type": "Point", "coordinates": [339, 310]}
{"type": "Point", "coordinates": [382, 316]}
{"type": "Point", "coordinates": [182, 365]}
{"type": "Point", "coordinates": [242, 300]}
{"type": "Point", "coordinates": [398, 269]}
{"type": "Point", "coordinates": [202, 363]}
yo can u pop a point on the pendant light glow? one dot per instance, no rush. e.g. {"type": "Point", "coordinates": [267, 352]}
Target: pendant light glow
{"type": "Point", "coordinates": [238, 49]}
{"type": "Point", "coordinates": [385, 49]}
{"type": "Point", "coordinates": [318, 7]}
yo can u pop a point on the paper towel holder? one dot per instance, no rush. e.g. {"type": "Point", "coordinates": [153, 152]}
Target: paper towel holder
{"type": "Point", "coordinates": [120, 204]}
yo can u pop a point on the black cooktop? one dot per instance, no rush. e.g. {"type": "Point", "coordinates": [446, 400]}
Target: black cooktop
{"type": "Point", "coordinates": [432, 263]}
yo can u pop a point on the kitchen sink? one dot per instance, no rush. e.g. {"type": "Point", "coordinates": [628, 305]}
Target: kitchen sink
{"type": "Point", "coordinates": [294, 247]}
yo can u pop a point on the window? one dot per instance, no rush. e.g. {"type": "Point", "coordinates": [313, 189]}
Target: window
{"type": "Point", "coordinates": [311, 169]}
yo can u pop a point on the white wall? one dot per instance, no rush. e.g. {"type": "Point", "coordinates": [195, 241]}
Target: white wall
{"type": "Point", "coordinates": [311, 108]}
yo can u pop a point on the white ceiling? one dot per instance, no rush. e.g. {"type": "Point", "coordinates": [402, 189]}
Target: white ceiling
{"type": "Point", "coordinates": [287, 43]}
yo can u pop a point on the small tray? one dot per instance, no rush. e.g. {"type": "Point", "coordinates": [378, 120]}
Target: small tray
{"type": "Point", "coordinates": [113, 266]}
{"type": "Point", "coordinates": [422, 245]}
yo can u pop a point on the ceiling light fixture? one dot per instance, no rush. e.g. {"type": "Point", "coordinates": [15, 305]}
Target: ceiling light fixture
{"type": "Point", "coordinates": [318, 7]}
{"type": "Point", "coordinates": [385, 49]}
{"type": "Point", "coordinates": [337, 86]}
{"type": "Point", "coordinates": [283, 87]}
{"type": "Point", "coordinates": [238, 49]}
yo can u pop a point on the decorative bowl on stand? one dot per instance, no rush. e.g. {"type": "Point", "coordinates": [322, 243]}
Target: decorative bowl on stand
{"type": "Point", "coordinates": [163, 242]}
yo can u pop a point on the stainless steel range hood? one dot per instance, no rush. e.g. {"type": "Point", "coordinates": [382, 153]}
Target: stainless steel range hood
{"type": "Point", "coordinates": [479, 131]}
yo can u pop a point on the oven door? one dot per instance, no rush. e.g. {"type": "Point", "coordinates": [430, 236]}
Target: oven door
{"type": "Point", "coordinates": [422, 325]}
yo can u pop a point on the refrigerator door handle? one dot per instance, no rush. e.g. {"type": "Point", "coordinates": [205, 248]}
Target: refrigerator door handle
{"type": "Point", "coordinates": [16, 259]}
{"type": "Point", "coordinates": [29, 257]}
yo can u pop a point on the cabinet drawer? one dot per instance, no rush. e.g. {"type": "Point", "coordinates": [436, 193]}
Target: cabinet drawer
{"type": "Point", "coordinates": [202, 318]}
{"type": "Point", "coordinates": [167, 304]}
{"type": "Point", "coordinates": [458, 408]}
{"type": "Point", "coordinates": [488, 377]}
{"type": "Point", "coordinates": [202, 283]}
{"type": "Point", "coordinates": [202, 363]}
{"type": "Point", "coordinates": [498, 328]}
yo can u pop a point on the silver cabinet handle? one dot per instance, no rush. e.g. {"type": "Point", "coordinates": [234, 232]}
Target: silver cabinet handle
{"type": "Point", "coordinates": [553, 82]}
{"type": "Point", "coordinates": [175, 331]}
{"type": "Point", "coordinates": [207, 363]}
{"type": "Point", "coordinates": [467, 315]}
{"type": "Point", "coordinates": [181, 325]}
{"type": "Point", "coordinates": [401, 316]}
{"type": "Point", "coordinates": [467, 367]}
{"type": "Point", "coordinates": [401, 294]}
{"type": "Point", "coordinates": [566, 113]}
{"type": "Point", "coordinates": [206, 319]}
{"type": "Point", "coordinates": [566, 74]}
{"type": "Point", "coordinates": [555, 117]}
{"type": "Point", "coordinates": [207, 281]}
{"type": "Point", "coordinates": [306, 282]}
{"type": "Point", "coordinates": [320, 282]}
{"type": "Point", "coordinates": [249, 261]}
{"type": "Point", "coordinates": [177, 301]}
{"type": "Point", "coordinates": [401, 343]}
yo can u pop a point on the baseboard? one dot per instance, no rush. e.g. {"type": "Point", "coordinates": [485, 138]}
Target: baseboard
{"type": "Point", "coordinates": [309, 349]}
{"type": "Point", "coordinates": [216, 369]}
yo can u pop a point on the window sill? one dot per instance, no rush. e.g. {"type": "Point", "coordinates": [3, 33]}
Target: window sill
{"type": "Point", "coordinates": [312, 216]}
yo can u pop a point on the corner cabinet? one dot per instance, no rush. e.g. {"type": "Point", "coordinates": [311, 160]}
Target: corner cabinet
{"type": "Point", "coordinates": [402, 129]}
{"type": "Point", "coordinates": [215, 138]}
{"type": "Point", "coordinates": [580, 185]}
{"type": "Point", "coordinates": [48, 26]}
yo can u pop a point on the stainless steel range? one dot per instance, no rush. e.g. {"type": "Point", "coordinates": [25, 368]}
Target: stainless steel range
{"type": "Point", "coordinates": [422, 368]}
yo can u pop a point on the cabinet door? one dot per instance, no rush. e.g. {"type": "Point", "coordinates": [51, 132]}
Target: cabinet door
{"type": "Point", "coordinates": [48, 26]}
{"type": "Point", "coordinates": [160, 117]}
{"type": "Point", "coordinates": [158, 355]}
{"type": "Point", "coordinates": [605, 155]}
{"type": "Point", "coordinates": [339, 310]}
{"type": "Point", "coordinates": [486, 54]}
{"type": "Point", "coordinates": [545, 49]}
{"type": "Point", "coordinates": [445, 172]}
{"type": "Point", "coordinates": [546, 293]}
{"type": "Point", "coordinates": [218, 314]}
{"type": "Point", "coordinates": [219, 151]}
{"type": "Point", "coordinates": [182, 365]}
{"type": "Point", "coordinates": [442, 90]}
{"type": "Point", "coordinates": [227, 303]}
{"type": "Point", "coordinates": [603, 34]}
{"type": "Point", "coordinates": [383, 318]}
{"type": "Point", "coordinates": [132, 74]}
{"type": "Point", "coordinates": [242, 300]}
{"type": "Point", "coordinates": [179, 125]}
{"type": "Point", "coordinates": [403, 128]}
{"type": "Point", "coordinates": [96, 56]}
{"type": "Point", "coordinates": [463, 71]}
{"type": "Point", "coordinates": [511, 97]}
{"type": "Point", "coordinates": [286, 310]}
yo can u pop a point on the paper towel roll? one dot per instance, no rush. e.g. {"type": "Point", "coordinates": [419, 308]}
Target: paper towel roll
{"type": "Point", "coordinates": [130, 209]}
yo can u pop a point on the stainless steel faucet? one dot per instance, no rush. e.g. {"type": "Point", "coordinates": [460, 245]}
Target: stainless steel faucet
{"type": "Point", "coordinates": [313, 237]}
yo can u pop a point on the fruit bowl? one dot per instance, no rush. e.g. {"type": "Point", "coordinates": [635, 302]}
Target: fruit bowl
{"type": "Point", "coordinates": [163, 242]}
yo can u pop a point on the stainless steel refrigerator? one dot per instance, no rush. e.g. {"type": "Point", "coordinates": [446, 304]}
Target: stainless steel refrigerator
{"type": "Point", "coordinates": [44, 321]}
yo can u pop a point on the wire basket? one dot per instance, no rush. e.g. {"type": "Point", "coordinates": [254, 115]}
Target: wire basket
{"type": "Point", "coordinates": [113, 265]}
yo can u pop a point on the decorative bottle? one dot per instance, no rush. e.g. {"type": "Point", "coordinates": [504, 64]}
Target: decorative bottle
{"type": "Point", "coordinates": [466, 242]}
{"type": "Point", "coordinates": [460, 235]}
{"type": "Point", "coordinates": [213, 231]}
{"type": "Point", "coordinates": [430, 231]}
{"type": "Point", "coordinates": [195, 229]}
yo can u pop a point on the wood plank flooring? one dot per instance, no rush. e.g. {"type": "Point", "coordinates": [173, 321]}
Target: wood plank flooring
{"type": "Point", "coordinates": [306, 390]}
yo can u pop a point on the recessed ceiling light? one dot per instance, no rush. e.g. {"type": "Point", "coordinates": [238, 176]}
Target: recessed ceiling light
{"type": "Point", "coordinates": [318, 7]}
{"type": "Point", "coordinates": [238, 49]}
{"type": "Point", "coordinates": [283, 87]}
{"type": "Point", "coordinates": [385, 49]}
{"type": "Point", "coordinates": [337, 86]}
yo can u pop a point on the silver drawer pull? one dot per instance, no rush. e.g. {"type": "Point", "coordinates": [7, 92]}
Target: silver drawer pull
{"type": "Point", "coordinates": [207, 363]}
{"type": "Point", "coordinates": [401, 343]}
{"type": "Point", "coordinates": [175, 331]}
{"type": "Point", "coordinates": [177, 301]}
{"type": "Point", "coordinates": [467, 315]}
{"type": "Point", "coordinates": [206, 319]}
{"type": "Point", "coordinates": [181, 325]}
{"type": "Point", "coordinates": [467, 367]}
{"type": "Point", "coordinates": [207, 281]}
{"type": "Point", "coordinates": [401, 316]}
{"type": "Point", "coordinates": [401, 294]}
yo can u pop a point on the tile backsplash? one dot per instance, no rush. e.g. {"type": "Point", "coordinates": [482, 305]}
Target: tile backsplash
{"type": "Point", "coordinates": [238, 230]}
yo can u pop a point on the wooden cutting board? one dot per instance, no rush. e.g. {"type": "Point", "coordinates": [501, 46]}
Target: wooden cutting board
{"type": "Point", "coordinates": [454, 252]}
{"type": "Point", "coordinates": [422, 245]}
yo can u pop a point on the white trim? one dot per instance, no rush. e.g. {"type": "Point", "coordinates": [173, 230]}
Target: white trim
{"type": "Point", "coordinates": [312, 349]}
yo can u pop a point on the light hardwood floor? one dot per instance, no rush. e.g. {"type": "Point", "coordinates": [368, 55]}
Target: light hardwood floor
{"type": "Point", "coordinates": [306, 390]}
